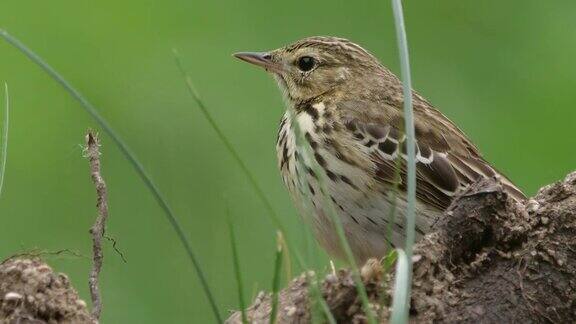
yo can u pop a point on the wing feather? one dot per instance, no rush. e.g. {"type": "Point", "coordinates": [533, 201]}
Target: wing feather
{"type": "Point", "coordinates": [440, 170]}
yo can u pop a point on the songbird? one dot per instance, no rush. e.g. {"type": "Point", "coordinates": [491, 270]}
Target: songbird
{"type": "Point", "coordinates": [348, 107]}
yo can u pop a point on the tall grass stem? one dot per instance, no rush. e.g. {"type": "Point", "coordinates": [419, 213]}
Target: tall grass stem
{"type": "Point", "coordinates": [276, 278]}
{"type": "Point", "coordinates": [400, 313]}
{"type": "Point", "coordinates": [401, 300]}
{"type": "Point", "coordinates": [4, 145]}
{"type": "Point", "coordinates": [237, 271]}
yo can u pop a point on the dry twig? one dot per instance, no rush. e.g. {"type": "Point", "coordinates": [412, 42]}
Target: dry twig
{"type": "Point", "coordinates": [98, 229]}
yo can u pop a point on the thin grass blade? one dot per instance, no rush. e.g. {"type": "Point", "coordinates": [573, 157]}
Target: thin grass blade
{"type": "Point", "coordinates": [314, 291]}
{"type": "Point", "coordinates": [387, 264]}
{"type": "Point", "coordinates": [128, 154]}
{"type": "Point", "coordinates": [251, 178]}
{"type": "Point", "coordinates": [401, 312]}
{"type": "Point", "coordinates": [237, 272]}
{"type": "Point", "coordinates": [287, 263]}
{"type": "Point", "coordinates": [276, 278]}
{"type": "Point", "coordinates": [389, 260]}
{"type": "Point", "coordinates": [4, 149]}
{"type": "Point", "coordinates": [320, 311]}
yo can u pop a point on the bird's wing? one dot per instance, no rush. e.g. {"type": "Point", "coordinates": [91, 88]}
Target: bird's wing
{"type": "Point", "coordinates": [446, 160]}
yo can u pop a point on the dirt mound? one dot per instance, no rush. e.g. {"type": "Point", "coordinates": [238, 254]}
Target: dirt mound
{"type": "Point", "coordinates": [490, 260]}
{"type": "Point", "coordinates": [30, 292]}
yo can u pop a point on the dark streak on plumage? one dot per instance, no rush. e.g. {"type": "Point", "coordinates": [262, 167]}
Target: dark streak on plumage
{"type": "Point", "coordinates": [312, 143]}
{"type": "Point", "coordinates": [349, 182]}
{"type": "Point", "coordinates": [310, 110]}
{"type": "Point", "coordinates": [337, 204]}
{"type": "Point", "coordinates": [311, 189]}
{"type": "Point", "coordinates": [331, 175]}
{"type": "Point", "coordinates": [311, 172]}
{"type": "Point", "coordinates": [320, 159]}
{"type": "Point", "coordinates": [372, 221]}
{"type": "Point", "coordinates": [284, 160]}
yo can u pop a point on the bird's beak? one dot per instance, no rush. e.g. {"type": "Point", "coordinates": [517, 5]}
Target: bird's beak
{"type": "Point", "coordinates": [262, 59]}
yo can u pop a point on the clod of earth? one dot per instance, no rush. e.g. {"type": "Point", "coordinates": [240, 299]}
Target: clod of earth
{"type": "Point", "coordinates": [30, 292]}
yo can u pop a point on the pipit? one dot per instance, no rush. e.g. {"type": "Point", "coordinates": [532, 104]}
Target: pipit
{"type": "Point", "coordinates": [349, 108]}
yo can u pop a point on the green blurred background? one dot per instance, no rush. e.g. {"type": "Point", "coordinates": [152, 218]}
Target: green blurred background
{"type": "Point", "coordinates": [504, 71]}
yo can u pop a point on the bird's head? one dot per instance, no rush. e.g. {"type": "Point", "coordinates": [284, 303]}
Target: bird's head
{"type": "Point", "coordinates": [315, 66]}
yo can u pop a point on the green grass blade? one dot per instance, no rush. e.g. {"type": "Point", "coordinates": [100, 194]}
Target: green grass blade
{"type": "Point", "coordinates": [392, 197]}
{"type": "Point", "coordinates": [237, 272]}
{"type": "Point", "coordinates": [5, 123]}
{"type": "Point", "coordinates": [387, 264]}
{"type": "Point", "coordinates": [319, 305]}
{"type": "Point", "coordinates": [324, 306]}
{"type": "Point", "coordinates": [251, 178]}
{"type": "Point", "coordinates": [400, 313]}
{"type": "Point", "coordinates": [389, 260]}
{"type": "Point", "coordinates": [128, 154]}
{"type": "Point", "coordinates": [314, 290]}
{"type": "Point", "coordinates": [287, 262]}
{"type": "Point", "coordinates": [276, 279]}
{"type": "Point", "coordinates": [401, 301]}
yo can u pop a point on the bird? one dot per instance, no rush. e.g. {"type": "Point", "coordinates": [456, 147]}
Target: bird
{"type": "Point", "coordinates": [341, 147]}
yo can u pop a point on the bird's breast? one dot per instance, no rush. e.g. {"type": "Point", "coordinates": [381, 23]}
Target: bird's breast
{"type": "Point", "coordinates": [326, 171]}
{"type": "Point", "coordinates": [320, 166]}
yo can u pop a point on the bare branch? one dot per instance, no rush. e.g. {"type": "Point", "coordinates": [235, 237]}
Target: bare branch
{"type": "Point", "coordinates": [92, 152]}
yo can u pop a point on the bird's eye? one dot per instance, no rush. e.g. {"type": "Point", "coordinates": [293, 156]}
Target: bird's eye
{"type": "Point", "coordinates": [306, 63]}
